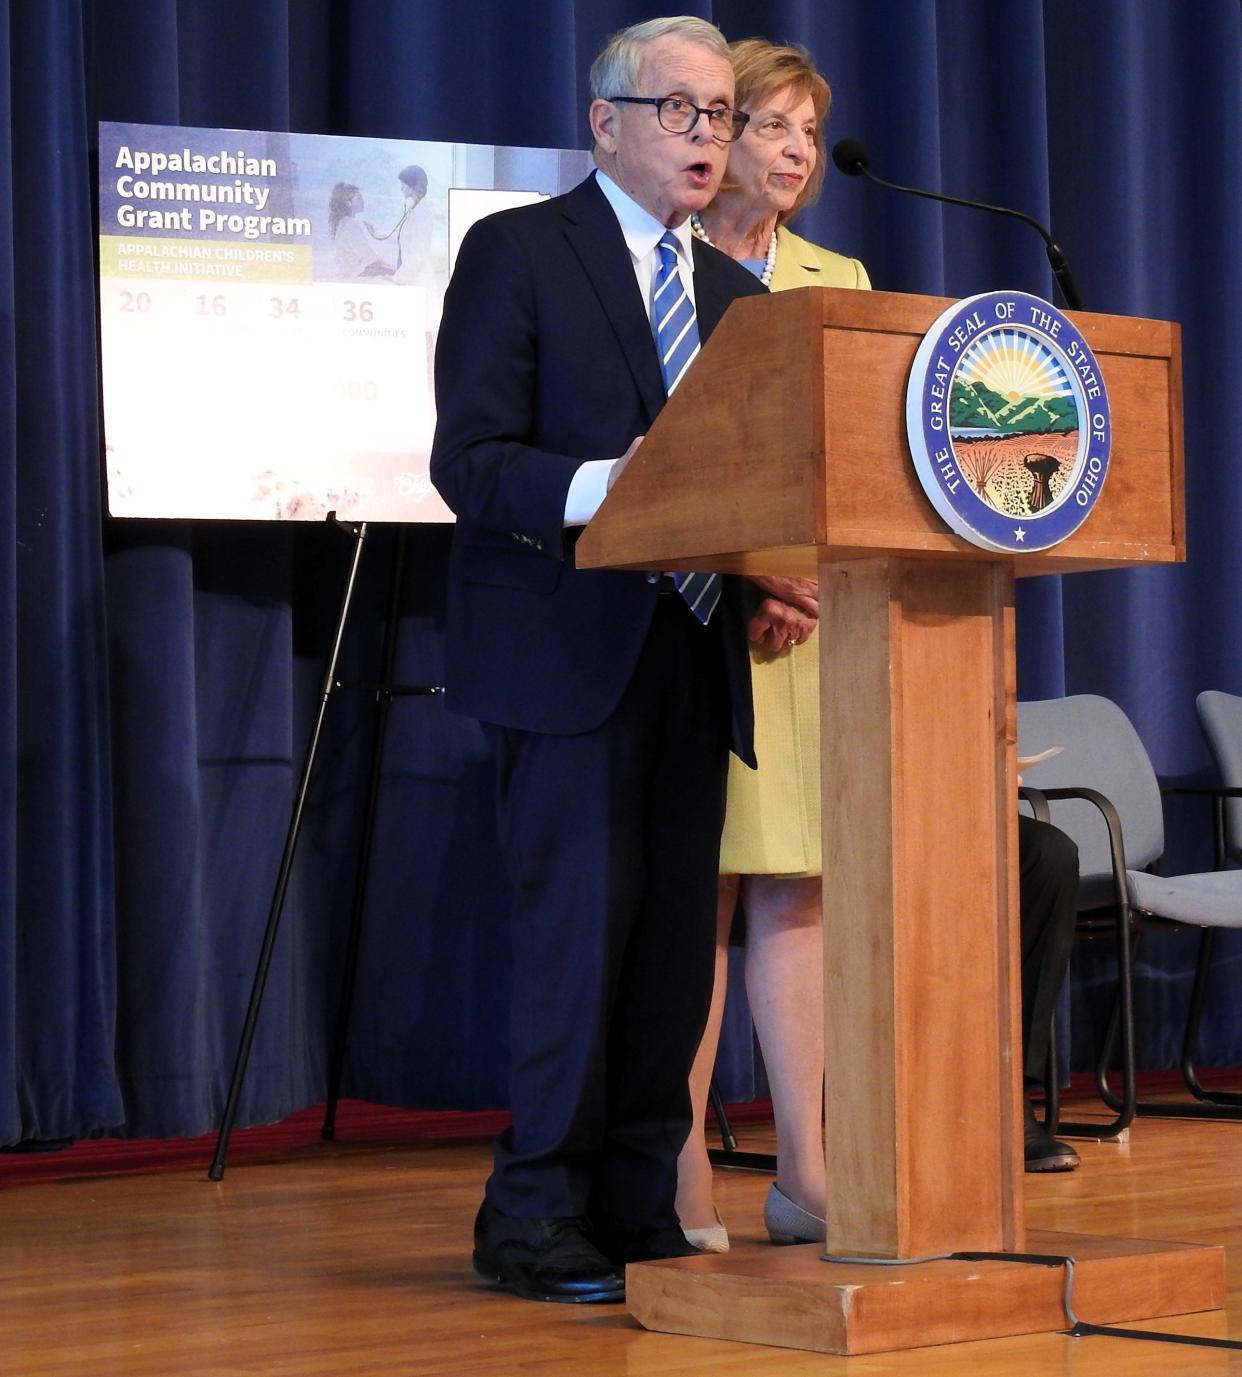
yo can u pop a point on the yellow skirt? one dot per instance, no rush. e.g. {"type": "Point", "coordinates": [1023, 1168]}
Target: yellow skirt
{"type": "Point", "coordinates": [772, 817]}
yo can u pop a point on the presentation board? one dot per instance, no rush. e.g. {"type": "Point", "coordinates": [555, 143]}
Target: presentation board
{"type": "Point", "coordinates": [269, 306]}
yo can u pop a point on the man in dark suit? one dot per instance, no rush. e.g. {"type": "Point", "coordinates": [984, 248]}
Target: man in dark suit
{"type": "Point", "coordinates": [610, 698]}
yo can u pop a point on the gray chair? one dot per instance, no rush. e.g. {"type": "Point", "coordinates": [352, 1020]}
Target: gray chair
{"type": "Point", "coordinates": [1220, 716]}
{"type": "Point", "coordinates": [1102, 790]}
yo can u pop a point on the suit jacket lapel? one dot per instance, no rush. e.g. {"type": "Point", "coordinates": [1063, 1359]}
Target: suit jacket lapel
{"type": "Point", "coordinates": [596, 239]}
{"type": "Point", "coordinates": [710, 302]}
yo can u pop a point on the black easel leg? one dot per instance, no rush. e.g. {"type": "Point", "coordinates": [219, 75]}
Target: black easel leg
{"type": "Point", "coordinates": [728, 1139]}
{"type": "Point", "coordinates": [216, 1171]}
{"type": "Point", "coordinates": [384, 698]}
{"type": "Point", "coordinates": [729, 1154]}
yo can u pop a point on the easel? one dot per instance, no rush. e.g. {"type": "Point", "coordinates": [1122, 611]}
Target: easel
{"type": "Point", "coordinates": [385, 691]}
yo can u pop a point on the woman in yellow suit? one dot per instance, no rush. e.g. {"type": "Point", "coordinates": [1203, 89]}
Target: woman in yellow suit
{"type": "Point", "coordinates": [770, 852]}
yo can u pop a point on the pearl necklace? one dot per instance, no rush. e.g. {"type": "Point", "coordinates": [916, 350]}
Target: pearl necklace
{"type": "Point", "coordinates": [769, 267]}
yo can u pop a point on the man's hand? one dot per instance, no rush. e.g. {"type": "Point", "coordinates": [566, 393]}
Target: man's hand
{"type": "Point", "coordinates": [618, 465]}
{"type": "Point", "coordinates": [777, 625]}
{"type": "Point", "coordinates": [800, 593]}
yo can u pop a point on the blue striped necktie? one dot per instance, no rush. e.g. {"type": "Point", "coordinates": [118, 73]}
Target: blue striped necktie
{"type": "Point", "coordinates": [677, 338]}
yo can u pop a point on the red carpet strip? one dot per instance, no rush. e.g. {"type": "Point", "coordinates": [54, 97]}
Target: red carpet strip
{"type": "Point", "coordinates": [356, 1122]}
{"type": "Point", "coordinates": [360, 1122]}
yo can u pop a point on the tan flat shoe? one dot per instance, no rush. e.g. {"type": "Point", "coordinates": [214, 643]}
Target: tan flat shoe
{"type": "Point", "coordinates": [712, 1239]}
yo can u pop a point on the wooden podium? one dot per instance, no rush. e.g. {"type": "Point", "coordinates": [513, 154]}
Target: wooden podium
{"type": "Point", "coordinates": [783, 452]}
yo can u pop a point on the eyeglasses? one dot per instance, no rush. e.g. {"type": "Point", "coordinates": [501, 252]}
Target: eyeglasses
{"type": "Point", "coordinates": [680, 116]}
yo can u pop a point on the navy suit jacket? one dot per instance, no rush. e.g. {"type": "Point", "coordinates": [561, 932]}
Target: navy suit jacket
{"type": "Point", "coordinates": [546, 358]}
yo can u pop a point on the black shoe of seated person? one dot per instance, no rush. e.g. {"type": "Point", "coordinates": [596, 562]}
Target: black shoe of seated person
{"type": "Point", "coordinates": [544, 1259]}
{"type": "Point", "coordinates": [1041, 1151]}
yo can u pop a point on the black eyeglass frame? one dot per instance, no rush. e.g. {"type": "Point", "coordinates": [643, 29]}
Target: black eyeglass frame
{"type": "Point", "coordinates": [738, 119]}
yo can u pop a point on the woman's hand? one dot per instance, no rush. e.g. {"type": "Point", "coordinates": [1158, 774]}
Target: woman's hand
{"type": "Point", "coordinates": [777, 625]}
{"type": "Point", "coordinates": [800, 593]}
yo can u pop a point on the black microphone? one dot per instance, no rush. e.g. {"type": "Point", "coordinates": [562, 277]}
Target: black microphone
{"type": "Point", "coordinates": [851, 157]}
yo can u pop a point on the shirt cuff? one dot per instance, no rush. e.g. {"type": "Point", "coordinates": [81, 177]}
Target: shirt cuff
{"type": "Point", "coordinates": [587, 489]}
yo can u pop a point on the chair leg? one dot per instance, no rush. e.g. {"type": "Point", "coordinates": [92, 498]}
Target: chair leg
{"type": "Point", "coordinates": [1120, 1023]}
{"type": "Point", "coordinates": [1208, 1104]}
{"type": "Point", "coordinates": [1105, 1059]}
{"type": "Point", "coordinates": [1194, 1017]}
{"type": "Point", "coordinates": [1052, 1081]}
{"type": "Point", "coordinates": [1216, 1104]}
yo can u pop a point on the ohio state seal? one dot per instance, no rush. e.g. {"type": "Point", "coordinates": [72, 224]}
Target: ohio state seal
{"type": "Point", "coordinates": [1008, 422]}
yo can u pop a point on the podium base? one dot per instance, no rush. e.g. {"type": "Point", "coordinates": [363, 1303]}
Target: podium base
{"type": "Point", "coordinates": [788, 1298]}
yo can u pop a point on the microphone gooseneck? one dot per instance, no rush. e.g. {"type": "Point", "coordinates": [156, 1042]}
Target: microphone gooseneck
{"type": "Point", "coordinates": [851, 158]}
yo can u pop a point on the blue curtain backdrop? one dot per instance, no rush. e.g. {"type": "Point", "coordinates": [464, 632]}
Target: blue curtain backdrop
{"type": "Point", "coordinates": [157, 680]}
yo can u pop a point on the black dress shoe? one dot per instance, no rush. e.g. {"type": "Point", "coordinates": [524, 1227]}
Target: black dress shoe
{"type": "Point", "coordinates": [543, 1259]}
{"type": "Point", "coordinates": [1041, 1151]}
{"type": "Point", "coordinates": [643, 1245]}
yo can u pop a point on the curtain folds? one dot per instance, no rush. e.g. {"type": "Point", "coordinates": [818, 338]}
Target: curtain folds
{"type": "Point", "coordinates": [158, 680]}
{"type": "Point", "coordinates": [59, 924]}
{"type": "Point", "coordinates": [9, 1113]}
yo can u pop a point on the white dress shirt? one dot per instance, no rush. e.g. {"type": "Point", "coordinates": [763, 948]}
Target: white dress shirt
{"type": "Point", "coordinates": [642, 232]}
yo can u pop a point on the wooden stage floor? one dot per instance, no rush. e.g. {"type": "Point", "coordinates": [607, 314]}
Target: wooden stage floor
{"type": "Point", "coordinates": [355, 1260]}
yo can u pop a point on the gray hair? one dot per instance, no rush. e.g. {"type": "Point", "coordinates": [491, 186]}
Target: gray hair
{"type": "Point", "coordinates": [615, 71]}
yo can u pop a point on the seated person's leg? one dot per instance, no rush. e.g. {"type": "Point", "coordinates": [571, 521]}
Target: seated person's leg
{"type": "Point", "coordinates": [1048, 897]}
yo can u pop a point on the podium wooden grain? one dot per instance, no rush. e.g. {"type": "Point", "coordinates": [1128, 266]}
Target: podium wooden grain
{"type": "Point", "coordinates": [786, 440]}
{"type": "Point", "coordinates": [788, 1298]}
{"type": "Point", "coordinates": [783, 451]}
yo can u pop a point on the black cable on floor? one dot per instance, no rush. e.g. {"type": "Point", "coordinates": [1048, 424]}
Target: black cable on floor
{"type": "Point", "coordinates": [1079, 1329]}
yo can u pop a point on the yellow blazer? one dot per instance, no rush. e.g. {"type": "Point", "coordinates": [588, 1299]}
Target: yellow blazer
{"type": "Point", "coordinates": [799, 263]}
{"type": "Point", "coordinates": [772, 820]}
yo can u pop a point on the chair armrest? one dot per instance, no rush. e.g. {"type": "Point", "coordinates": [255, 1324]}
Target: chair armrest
{"type": "Point", "coordinates": [1039, 804]}
{"type": "Point", "coordinates": [1116, 845]}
